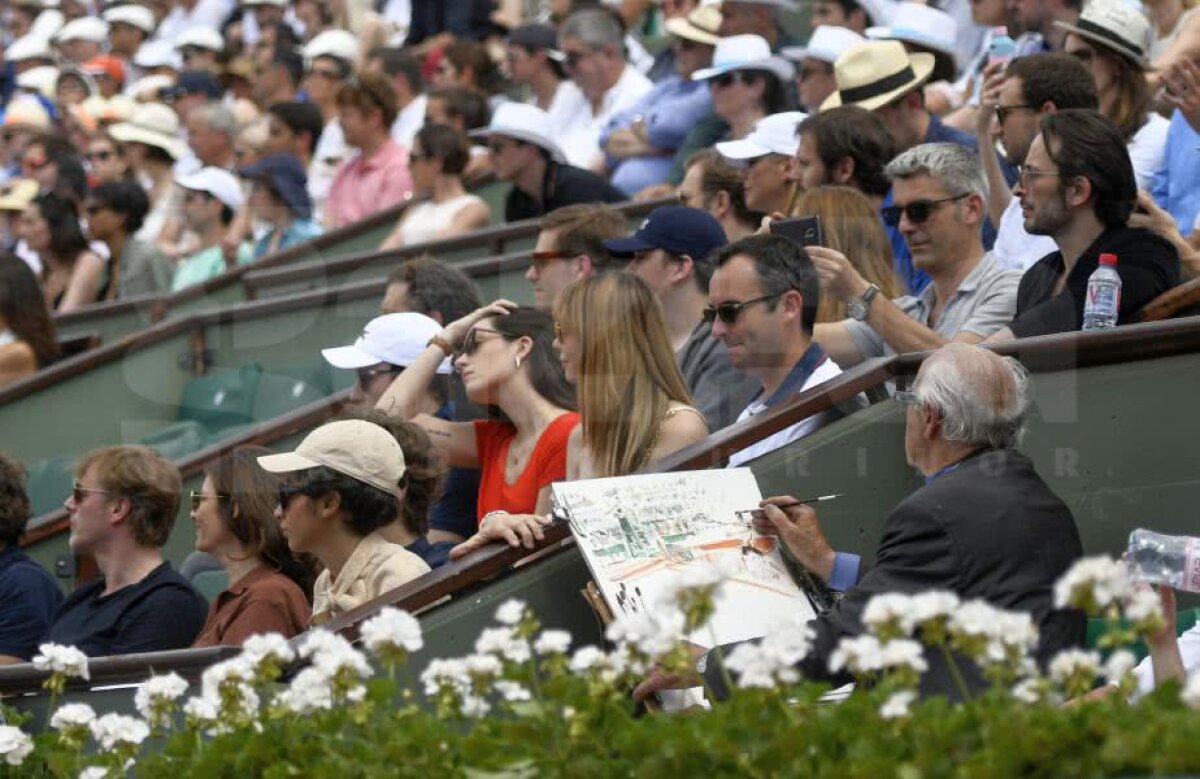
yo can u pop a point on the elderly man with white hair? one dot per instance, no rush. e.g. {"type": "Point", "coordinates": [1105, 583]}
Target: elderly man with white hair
{"type": "Point", "coordinates": [984, 525]}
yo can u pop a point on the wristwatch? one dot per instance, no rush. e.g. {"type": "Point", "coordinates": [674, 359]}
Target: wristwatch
{"type": "Point", "coordinates": [859, 308]}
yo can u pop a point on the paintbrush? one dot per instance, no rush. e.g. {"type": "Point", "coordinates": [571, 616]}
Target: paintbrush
{"type": "Point", "coordinates": [760, 514]}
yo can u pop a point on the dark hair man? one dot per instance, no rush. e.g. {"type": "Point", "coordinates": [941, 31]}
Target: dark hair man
{"type": "Point", "coordinates": [570, 246]}
{"type": "Point", "coordinates": [1077, 186]}
{"type": "Point", "coordinates": [29, 596]}
{"type": "Point", "coordinates": [713, 185]}
{"type": "Point", "coordinates": [427, 286]}
{"type": "Point", "coordinates": [405, 71]}
{"type": "Point", "coordinates": [123, 507]}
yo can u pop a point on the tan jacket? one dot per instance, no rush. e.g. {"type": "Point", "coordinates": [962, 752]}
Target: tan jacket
{"type": "Point", "coordinates": [375, 567]}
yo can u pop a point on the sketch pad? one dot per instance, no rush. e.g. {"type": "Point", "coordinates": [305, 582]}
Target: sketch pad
{"type": "Point", "coordinates": [638, 533]}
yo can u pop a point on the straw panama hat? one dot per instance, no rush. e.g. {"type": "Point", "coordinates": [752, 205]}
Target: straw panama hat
{"type": "Point", "coordinates": [153, 124]}
{"type": "Point", "coordinates": [875, 73]}
{"type": "Point", "coordinates": [1116, 27]}
{"type": "Point", "coordinates": [701, 25]}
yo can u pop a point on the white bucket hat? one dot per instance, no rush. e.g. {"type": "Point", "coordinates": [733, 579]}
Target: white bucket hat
{"type": "Point", "coordinates": [524, 122]}
{"type": "Point", "coordinates": [1115, 26]}
{"type": "Point", "coordinates": [702, 25]}
{"type": "Point", "coordinates": [85, 28]}
{"type": "Point", "coordinates": [42, 80]}
{"type": "Point", "coordinates": [29, 47]}
{"type": "Point", "coordinates": [774, 134]}
{"type": "Point", "coordinates": [826, 44]}
{"type": "Point", "coordinates": [221, 184]}
{"type": "Point", "coordinates": [397, 339]}
{"type": "Point", "coordinates": [137, 16]}
{"type": "Point", "coordinates": [352, 447]}
{"type": "Point", "coordinates": [745, 52]}
{"type": "Point", "coordinates": [153, 124]}
{"type": "Point", "coordinates": [919, 24]}
{"type": "Point", "coordinates": [157, 54]}
{"type": "Point", "coordinates": [875, 73]}
{"type": "Point", "coordinates": [201, 38]}
{"type": "Point", "coordinates": [338, 44]}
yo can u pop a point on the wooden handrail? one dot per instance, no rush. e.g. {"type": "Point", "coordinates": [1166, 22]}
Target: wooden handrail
{"type": "Point", "coordinates": [22, 678]}
{"type": "Point", "coordinates": [1171, 302]}
{"type": "Point", "coordinates": [304, 418]}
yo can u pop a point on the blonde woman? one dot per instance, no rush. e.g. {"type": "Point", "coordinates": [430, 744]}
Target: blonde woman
{"type": "Point", "coordinates": [633, 402]}
{"type": "Point", "coordinates": [850, 224]}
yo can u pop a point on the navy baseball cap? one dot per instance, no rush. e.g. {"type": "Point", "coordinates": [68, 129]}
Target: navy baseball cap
{"type": "Point", "coordinates": [676, 229]}
{"type": "Point", "coordinates": [287, 177]}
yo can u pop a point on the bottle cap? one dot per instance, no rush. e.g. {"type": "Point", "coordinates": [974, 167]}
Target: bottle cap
{"type": "Point", "coordinates": [1108, 259]}
{"type": "Point", "coordinates": [999, 30]}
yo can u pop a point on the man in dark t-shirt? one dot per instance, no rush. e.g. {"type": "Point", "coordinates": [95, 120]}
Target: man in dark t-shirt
{"type": "Point", "coordinates": [122, 508]}
{"type": "Point", "coordinates": [1077, 186]}
{"type": "Point", "coordinates": [29, 595]}
{"type": "Point", "coordinates": [526, 154]}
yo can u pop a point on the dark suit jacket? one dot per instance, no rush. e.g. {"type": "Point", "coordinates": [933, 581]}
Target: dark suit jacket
{"type": "Point", "coordinates": [988, 529]}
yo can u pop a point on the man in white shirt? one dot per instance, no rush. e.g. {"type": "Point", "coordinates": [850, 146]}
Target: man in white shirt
{"type": "Point", "coordinates": [405, 72]}
{"type": "Point", "coordinates": [763, 299]}
{"type": "Point", "coordinates": [194, 13]}
{"type": "Point", "coordinates": [602, 83]}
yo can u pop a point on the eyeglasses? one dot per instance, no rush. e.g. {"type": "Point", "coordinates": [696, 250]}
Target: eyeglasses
{"type": "Point", "coordinates": [917, 211]}
{"type": "Point", "coordinates": [729, 312]}
{"type": "Point", "coordinates": [325, 73]}
{"type": "Point", "coordinates": [1002, 111]}
{"type": "Point", "coordinates": [905, 398]}
{"type": "Point", "coordinates": [288, 492]}
{"type": "Point", "coordinates": [102, 155]}
{"type": "Point", "coordinates": [573, 57]}
{"type": "Point", "coordinates": [725, 79]}
{"type": "Point", "coordinates": [78, 492]}
{"type": "Point", "coordinates": [198, 498]}
{"type": "Point", "coordinates": [1024, 174]}
{"type": "Point", "coordinates": [1083, 55]}
{"type": "Point", "coordinates": [542, 259]}
{"type": "Point", "coordinates": [366, 374]}
{"type": "Point", "coordinates": [470, 344]}
{"type": "Point", "coordinates": [498, 147]}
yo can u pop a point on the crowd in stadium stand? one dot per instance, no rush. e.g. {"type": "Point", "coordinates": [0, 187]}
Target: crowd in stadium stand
{"type": "Point", "coordinates": [967, 163]}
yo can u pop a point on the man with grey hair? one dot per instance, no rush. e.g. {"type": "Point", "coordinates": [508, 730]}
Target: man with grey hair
{"type": "Point", "coordinates": [211, 130]}
{"type": "Point", "coordinates": [984, 526]}
{"type": "Point", "coordinates": [939, 205]}
{"type": "Point", "coordinates": [602, 84]}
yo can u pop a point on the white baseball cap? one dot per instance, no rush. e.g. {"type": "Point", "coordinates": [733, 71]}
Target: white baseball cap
{"type": "Point", "coordinates": [353, 447]}
{"type": "Point", "coordinates": [202, 38]}
{"type": "Point", "coordinates": [397, 339]}
{"type": "Point", "coordinates": [826, 44]}
{"type": "Point", "coordinates": [137, 16]}
{"type": "Point", "coordinates": [525, 122]}
{"type": "Point", "coordinates": [157, 54]}
{"type": "Point", "coordinates": [774, 134]}
{"type": "Point", "coordinates": [219, 183]}
{"type": "Point", "coordinates": [85, 28]}
{"type": "Point", "coordinates": [339, 44]}
{"type": "Point", "coordinates": [29, 47]}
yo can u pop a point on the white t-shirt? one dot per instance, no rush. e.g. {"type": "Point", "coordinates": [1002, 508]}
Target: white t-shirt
{"type": "Point", "coordinates": [1016, 249]}
{"type": "Point", "coordinates": [409, 121]}
{"type": "Point", "coordinates": [827, 370]}
{"type": "Point", "coordinates": [426, 221]}
{"type": "Point", "coordinates": [1189, 650]}
{"type": "Point", "coordinates": [578, 129]}
{"type": "Point", "coordinates": [1146, 150]}
{"type": "Point", "coordinates": [330, 153]}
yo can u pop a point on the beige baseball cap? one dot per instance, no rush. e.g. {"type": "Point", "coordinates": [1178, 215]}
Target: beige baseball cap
{"type": "Point", "coordinates": [352, 447]}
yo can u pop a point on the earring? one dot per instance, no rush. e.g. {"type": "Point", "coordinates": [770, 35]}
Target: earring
{"type": "Point", "coordinates": [517, 360]}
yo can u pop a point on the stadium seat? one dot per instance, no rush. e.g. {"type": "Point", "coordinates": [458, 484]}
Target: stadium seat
{"type": "Point", "coordinates": [277, 395]}
{"type": "Point", "coordinates": [179, 440]}
{"type": "Point", "coordinates": [210, 584]}
{"type": "Point", "coordinates": [221, 398]}
{"type": "Point", "coordinates": [49, 483]}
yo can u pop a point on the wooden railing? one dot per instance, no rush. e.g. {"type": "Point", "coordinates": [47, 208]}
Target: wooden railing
{"type": "Point", "coordinates": [1067, 351]}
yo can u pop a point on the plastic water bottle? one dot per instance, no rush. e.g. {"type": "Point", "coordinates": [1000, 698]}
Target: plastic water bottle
{"type": "Point", "coordinates": [1002, 48]}
{"type": "Point", "coordinates": [1163, 559]}
{"type": "Point", "coordinates": [1103, 295]}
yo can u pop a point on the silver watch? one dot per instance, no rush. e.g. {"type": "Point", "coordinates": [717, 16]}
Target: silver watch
{"type": "Point", "coordinates": [859, 308]}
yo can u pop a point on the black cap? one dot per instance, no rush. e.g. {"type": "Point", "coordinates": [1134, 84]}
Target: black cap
{"type": "Point", "coordinates": [538, 36]}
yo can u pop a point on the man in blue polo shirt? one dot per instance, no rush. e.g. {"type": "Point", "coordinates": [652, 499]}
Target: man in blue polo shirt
{"type": "Point", "coordinates": [763, 301]}
{"type": "Point", "coordinates": [29, 596]}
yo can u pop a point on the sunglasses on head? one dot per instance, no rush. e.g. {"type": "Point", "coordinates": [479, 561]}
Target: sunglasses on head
{"type": "Point", "coordinates": [917, 211]}
{"type": "Point", "coordinates": [729, 311]}
{"type": "Point", "coordinates": [471, 343]}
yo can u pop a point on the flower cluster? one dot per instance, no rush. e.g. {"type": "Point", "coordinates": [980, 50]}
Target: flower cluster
{"type": "Point", "coordinates": [15, 744]}
{"type": "Point", "coordinates": [770, 663]}
{"type": "Point", "coordinates": [63, 662]}
{"type": "Point", "coordinates": [156, 698]}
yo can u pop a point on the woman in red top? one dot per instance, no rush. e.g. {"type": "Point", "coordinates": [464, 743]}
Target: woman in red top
{"type": "Point", "coordinates": [234, 512]}
{"type": "Point", "coordinates": [506, 358]}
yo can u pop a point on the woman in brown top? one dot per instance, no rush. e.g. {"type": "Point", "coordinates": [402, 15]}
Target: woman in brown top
{"type": "Point", "coordinates": [234, 512]}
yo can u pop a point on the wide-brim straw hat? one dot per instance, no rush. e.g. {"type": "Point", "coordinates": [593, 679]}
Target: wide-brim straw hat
{"type": "Point", "coordinates": [702, 25]}
{"type": "Point", "coordinates": [1116, 27]}
{"type": "Point", "coordinates": [153, 124]}
{"type": "Point", "coordinates": [875, 73]}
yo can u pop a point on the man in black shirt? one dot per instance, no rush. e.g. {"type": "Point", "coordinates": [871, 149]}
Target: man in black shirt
{"type": "Point", "coordinates": [122, 508]}
{"type": "Point", "coordinates": [526, 154]}
{"type": "Point", "coordinates": [1077, 186]}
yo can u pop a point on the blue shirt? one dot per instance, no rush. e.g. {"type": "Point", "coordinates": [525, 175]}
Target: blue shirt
{"type": "Point", "coordinates": [298, 231]}
{"type": "Point", "coordinates": [1177, 184]}
{"type": "Point", "coordinates": [434, 555]}
{"type": "Point", "coordinates": [670, 110]}
{"type": "Point", "coordinates": [456, 512]}
{"type": "Point", "coordinates": [29, 596]}
{"type": "Point", "coordinates": [913, 280]}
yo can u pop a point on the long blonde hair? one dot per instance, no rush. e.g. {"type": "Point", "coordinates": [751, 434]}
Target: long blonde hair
{"type": "Point", "coordinates": [628, 376]}
{"type": "Point", "coordinates": [851, 225]}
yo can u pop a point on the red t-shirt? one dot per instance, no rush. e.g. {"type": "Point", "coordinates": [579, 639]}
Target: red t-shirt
{"type": "Point", "coordinates": [547, 464]}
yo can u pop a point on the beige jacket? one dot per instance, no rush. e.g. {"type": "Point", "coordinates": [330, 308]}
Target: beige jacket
{"type": "Point", "coordinates": [375, 567]}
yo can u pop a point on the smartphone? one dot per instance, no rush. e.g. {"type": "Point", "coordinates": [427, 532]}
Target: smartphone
{"type": "Point", "coordinates": [802, 230]}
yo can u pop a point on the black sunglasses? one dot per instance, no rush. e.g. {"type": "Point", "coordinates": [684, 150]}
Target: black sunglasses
{"type": "Point", "coordinates": [1002, 111]}
{"type": "Point", "coordinates": [728, 312]}
{"type": "Point", "coordinates": [470, 344]}
{"type": "Point", "coordinates": [725, 79]}
{"type": "Point", "coordinates": [366, 374]}
{"type": "Point", "coordinates": [917, 211]}
{"type": "Point", "coordinates": [289, 491]}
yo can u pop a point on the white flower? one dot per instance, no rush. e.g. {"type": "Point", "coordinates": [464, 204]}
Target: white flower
{"type": "Point", "coordinates": [552, 642]}
{"type": "Point", "coordinates": [392, 630]}
{"type": "Point", "coordinates": [504, 642]}
{"type": "Point", "coordinates": [1118, 665]}
{"type": "Point", "coordinates": [308, 692]}
{"type": "Point", "coordinates": [512, 691]}
{"type": "Point", "coordinates": [1071, 663]}
{"type": "Point", "coordinates": [156, 696]}
{"type": "Point", "coordinates": [93, 772]}
{"type": "Point", "coordinates": [896, 706]}
{"type": "Point", "coordinates": [475, 707]}
{"type": "Point", "coordinates": [1099, 581]}
{"type": "Point", "coordinates": [903, 653]}
{"type": "Point", "coordinates": [753, 667]}
{"type": "Point", "coordinates": [974, 618]}
{"type": "Point", "coordinates": [1028, 691]}
{"type": "Point", "coordinates": [112, 730]}
{"type": "Point", "coordinates": [446, 672]}
{"type": "Point", "coordinates": [1142, 604]}
{"type": "Point", "coordinates": [888, 611]}
{"type": "Point", "coordinates": [510, 612]}
{"type": "Point", "coordinates": [15, 744]}
{"type": "Point", "coordinates": [653, 634]}
{"type": "Point", "coordinates": [203, 710]}
{"type": "Point", "coordinates": [587, 658]}
{"type": "Point", "coordinates": [1190, 694]}
{"type": "Point", "coordinates": [857, 654]}
{"type": "Point", "coordinates": [483, 665]}
{"type": "Point", "coordinates": [333, 654]}
{"type": "Point", "coordinates": [60, 659]}
{"type": "Point", "coordinates": [932, 605]}
{"type": "Point", "coordinates": [72, 715]}
{"type": "Point", "coordinates": [267, 646]}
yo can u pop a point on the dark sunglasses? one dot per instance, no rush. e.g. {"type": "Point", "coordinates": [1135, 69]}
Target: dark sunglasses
{"type": "Point", "coordinates": [289, 491]}
{"type": "Point", "coordinates": [198, 498]}
{"type": "Point", "coordinates": [1002, 111]}
{"type": "Point", "coordinates": [471, 343]}
{"type": "Point", "coordinates": [725, 79]}
{"type": "Point", "coordinates": [100, 155]}
{"type": "Point", "coordinates": [728, 312]}
{"type": "Point", "coordinates": [332, 75]}
{"type": "Point", "coordinates": [366, 374]}
{"type": "Point", "coordinates": [79, 492]}
{"type": "Point", "coordinates": [917, 211]}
